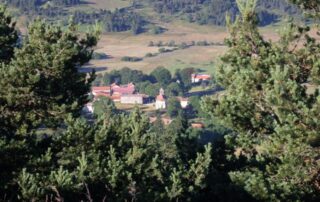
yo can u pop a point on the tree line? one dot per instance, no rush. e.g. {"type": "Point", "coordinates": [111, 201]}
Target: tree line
{"type": "Point", "coordinates": [113, 21]}
{"type": "Point", "coordinates": [26, 5]}
{"type": "Point", "coordinates": [213, 11]}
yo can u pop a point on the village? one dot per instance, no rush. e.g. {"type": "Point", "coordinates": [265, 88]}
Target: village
{"type": "Point", "coordinates": [128, 96]}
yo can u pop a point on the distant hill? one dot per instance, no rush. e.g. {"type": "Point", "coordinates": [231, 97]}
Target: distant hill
{"type": "Point", "coordinates": [124, 15]}
{"type": "Point", "coordinates": [213, 11]}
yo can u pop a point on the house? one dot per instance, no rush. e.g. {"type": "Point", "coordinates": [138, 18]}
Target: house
{"type": "Point", "coordinates": [123, 89]}
{"type": "Point", "coordinates": [133, 99]}
{"type": "Point", "coordinates": [101, 91]}
{"type": "Point", "coordinates": [184, 102]}
{"type": "Point", "coordinates": [161, 102]}
{"type": "Point", "coordinates": [114, 91]}
{"type": "Point", "coordinates": [196, 78]}
{"type": "Point", "coordinates": [197, 125]}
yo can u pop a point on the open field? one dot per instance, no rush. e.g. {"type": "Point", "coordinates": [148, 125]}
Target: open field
{"type": "Point", "coordinates": [117, 45]}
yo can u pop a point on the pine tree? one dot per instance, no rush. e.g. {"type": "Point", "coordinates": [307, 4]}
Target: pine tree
{"type": "Point", "coordinates": [42, 84]}
{"type": "Point", "coordinates": [268, 103]}
{"type": "Point", "coordinates": [8, 36]}
{"type": "Point", "coordinates": [118, 159]}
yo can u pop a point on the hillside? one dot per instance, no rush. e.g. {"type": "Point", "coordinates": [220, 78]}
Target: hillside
{"type": "Point", "coordinates": [203, 12]}
{"type": "Point", "coordinates": [130, 26]}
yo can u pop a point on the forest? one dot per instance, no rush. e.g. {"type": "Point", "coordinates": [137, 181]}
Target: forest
{"type": "Point", "coordinates": [113, 21]}
{"type": "Point", "coordinates": [213, 11]}
{"type": "Point", "coordinates": [262, 142]}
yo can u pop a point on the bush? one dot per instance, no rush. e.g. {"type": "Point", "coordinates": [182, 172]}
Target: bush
{"type": "Point", "coordinates": [183, 45]}
{"type": "Point", "coordinates": [149, 55]}
{"type": "Point", "coordinates": [99, 56]}
{"type": "Point", "coordinates": [156, 30]}
{"type": "Point", "coordinates": [172, 44]}
{"type": "Point", "coordinates": [131, 59]}
{"type": "Point", "coordinates": [151, 44]}
{"type": "Point", "coordinates": [164, 50]}
{"type": "Point", "coordinates": [159, 44]}
{"type": "Point", "coordinates": [202, 43]}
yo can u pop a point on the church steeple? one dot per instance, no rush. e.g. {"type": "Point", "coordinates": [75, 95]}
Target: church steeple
{"type": "Point", "coordinates": [161, 91]}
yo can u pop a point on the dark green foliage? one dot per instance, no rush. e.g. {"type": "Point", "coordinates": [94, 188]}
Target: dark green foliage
{"type": "Point", "coordinates": [162, 75]}
{"type": "Point", "coordinates": [157, 30]}
{"type": "Point", "coordinates": [99, 56]}
{"type": "Point", "coordinates": [115, 158]}
{"type": "Point", "coordinates": [267, 104]}
{"type": "Point", "coordinates": [116, 21]}
{"type": "Point", "coordinates": [104, 107]}
{"type": "Point", "coordinates": [131, 59]}
{"type": "Point", "coordinates": [122, 20]}
{"type": "Point", "coordinates": [311, 7]}
{"type": "Point", "coordinates": [174, 89]}
{"type": "Point", "coordinates": [213, 11]}
{"type": "Point", "coordinates": [123, 76]}
{"type": "Point", "coordinates": [151, 89]}
{"type": "Point", "coordinates": [42, 84]}
{"type": "Point", "coordinates": [8, 36]}
{"type": "Point", "coordinates": [174, 107]}
{"type": "Point", "coordinates": [149, 55]}
{"type": "Point", "coordinates": [164, 50]}
{"type": "Point", "coordinates": [195, 103]}
{"type": "Point", "coordinates": [202, 43]}
{"type": "Point", "coordinates": [184, 76]}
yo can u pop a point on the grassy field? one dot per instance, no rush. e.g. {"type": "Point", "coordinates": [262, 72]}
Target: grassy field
{"type": "Point", "coordinates": [118, 45]}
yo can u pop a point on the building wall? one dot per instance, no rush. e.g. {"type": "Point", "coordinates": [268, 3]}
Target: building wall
{"type": "Point", "coordinates": [160, 104]}
{"type": "Point", "coordinates": [132, 100]}
{"type": "Point", "coordinates": [184, 104]}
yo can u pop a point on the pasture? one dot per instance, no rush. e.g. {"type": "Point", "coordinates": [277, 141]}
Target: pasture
{"type": "Point", "coordinates": [118, 45]}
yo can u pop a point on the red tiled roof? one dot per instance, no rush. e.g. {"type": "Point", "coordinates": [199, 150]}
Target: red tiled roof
{"type": "Point", "coordinates": [123, 89]}
{"type": "Point", "coordinates": [197, 125]}
{"type": "Point", "coordinates": [116, 97]}
{"type": "Point", "coordinates": [160, 98]}
{"type": "Point", "coordinates": [201, 76]}
{"type": "Point", "coordinates": [99, 94]}
{"type": "Point", "coordinates": [101, 88]}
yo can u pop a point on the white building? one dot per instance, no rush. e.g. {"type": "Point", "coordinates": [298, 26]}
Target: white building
{"type": "Point", "coordinates": [161, 102]}
{"type": "Point", "coordinates": [196, 78]}
{"type": "Point", "coordinates": [184, 102]}
{"type": "Point", "coordinates": [133, 99]}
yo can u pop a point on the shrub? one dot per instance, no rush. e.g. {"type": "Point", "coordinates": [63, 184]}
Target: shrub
{"type": "Point", "coordinates": [149, 55]}
{"type": "Point", "coordinates": [202, 43]}
{"type": "Point", "coordinates": [99, 56]}
{"type": "Point", "coordinates": [130, 59]}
